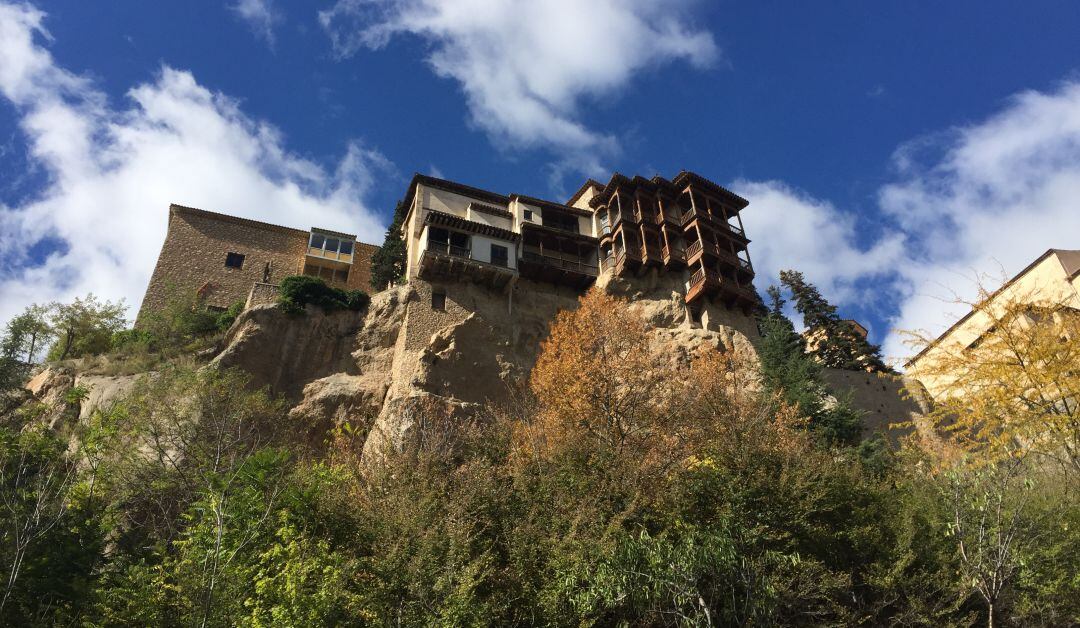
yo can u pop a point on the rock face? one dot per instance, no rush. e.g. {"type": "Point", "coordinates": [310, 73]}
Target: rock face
{"type": "Point", "coordinates": [482, 345]}
{"type": "Point", "coordinates": [448, 349]}
{"type": "Point", "coordinates": [59, 411]}
{"type": "Point", "coordinates": [285, 351]}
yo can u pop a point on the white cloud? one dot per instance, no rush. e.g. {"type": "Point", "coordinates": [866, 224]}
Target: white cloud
{"type": "Point", "coordinates": [260, 15]}
{"type": "Point", "coordinates": [112, 173]}
{"type": "Point", "coordinates": [791, 229]}
{"type": "Point", "coordinates": [972, 201]}
{"type": "Point", "coordinates": [526, 66]}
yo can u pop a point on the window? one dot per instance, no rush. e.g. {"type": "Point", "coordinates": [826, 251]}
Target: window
{"type": "Point", "coordinates": [331, 245]}
{"type": "Point", "coordinates": [234, 260]}
{"type": "Point", "coordinates": [528, 215]}
{"type": "Point", "coordinates": [341, 275]}
{"type": "Point", "coordinates": [499, 255]}
{"type": "Point", "coordinates": [317, 240]}
{"type": "Point", "coordinates": [438, 301]}
{"type": "Point", "coordinates": [446, 241]}
{"type": "Point", "coordinates": [346, 247]}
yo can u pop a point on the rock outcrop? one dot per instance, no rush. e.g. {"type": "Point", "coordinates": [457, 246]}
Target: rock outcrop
{"type": "Point", "coordinates": [57, 407]}
{"type": "Point", "coordinates": [427, 350]}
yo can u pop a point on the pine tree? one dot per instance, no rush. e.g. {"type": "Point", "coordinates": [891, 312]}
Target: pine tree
{"type": "Point", "coordinates": [839, 345]}
{"type": "Point", "coordinates": [388, 263]}
{"type": "Point", "coordinates": [787, 368]}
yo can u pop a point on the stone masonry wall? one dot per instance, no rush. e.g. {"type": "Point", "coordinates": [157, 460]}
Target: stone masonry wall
{"type": "Point", "coordinates": [194, 251]}
{"type": "Point", "coordinates": [360, 275]}
{"type": "Point", "coordinates": [193, 258]}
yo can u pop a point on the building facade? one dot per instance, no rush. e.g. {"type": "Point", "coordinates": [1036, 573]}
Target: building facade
{"type": "Point", "coordinates": [225, 259]}
{"type": "Point", "coordinates": [1054, 277]}
{"type": "Point", "coordinates": [688, 229]}
{"type": "Point", "coordinates": [687, 226]}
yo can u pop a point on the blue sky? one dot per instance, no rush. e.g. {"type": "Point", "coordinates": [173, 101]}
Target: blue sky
{"type": "Point", "coordinates": [890, 150]}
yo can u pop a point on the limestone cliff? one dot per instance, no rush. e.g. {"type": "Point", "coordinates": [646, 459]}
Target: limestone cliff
{"type": "Point", "coordinates": [455, 347]}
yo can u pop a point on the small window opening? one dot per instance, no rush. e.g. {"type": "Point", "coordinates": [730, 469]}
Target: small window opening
{"type": "Point", "coordinates": [234, 260]}
{"type": "Point", "coordinates": [528, 214]}
{"type": "Point", "coordinates": [438, 301]}
{"type": "Point", "coordinates": [500, 255]}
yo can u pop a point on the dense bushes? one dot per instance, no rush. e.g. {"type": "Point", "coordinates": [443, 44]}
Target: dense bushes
{"type": "Point", "coordinates": [688, 498]}
{"type": "Point", "coordinates": [299, 290]}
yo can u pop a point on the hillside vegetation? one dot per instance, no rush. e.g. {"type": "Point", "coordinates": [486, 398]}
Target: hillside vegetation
{"type": "Point", "coordinates": [618, 488]}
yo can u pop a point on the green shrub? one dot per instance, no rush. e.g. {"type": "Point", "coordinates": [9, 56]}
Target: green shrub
{"type": "Point", "coordinates": [129, 338]}
{"type": "Point", "coordinates": [298, 291]}
{"type": "Point", "coordinates": [228, 317]}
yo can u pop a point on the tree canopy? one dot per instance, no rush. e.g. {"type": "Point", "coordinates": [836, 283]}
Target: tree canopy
{"type": "Point", "coordinates": [837, 344]}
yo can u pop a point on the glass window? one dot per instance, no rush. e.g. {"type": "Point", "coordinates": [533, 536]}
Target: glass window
{"type": "Point", "coordinates": [499, 255]}
{"type": "Point", "coordinates": [234, 260]}
{"type": "Point", "coordinates": [460, 240]}
{"type": "Point", "coordinates": [528, 214]}
{"type": "Point", "coordinates": [331, 245]}
{"type": "Point", "coordinates": [441, 236]}
{"type": "Point", "coordinates": [317, 240]}
{"type": "Point", "coordinates": [346, 247]}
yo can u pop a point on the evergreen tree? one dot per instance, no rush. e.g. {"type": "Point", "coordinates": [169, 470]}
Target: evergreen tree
{"type": "Point", "coordinates": [388, 263]}
{"type": "Point", "coordinates": [787, 368]}
{"type": "Point", "coordinates": [838, 344]}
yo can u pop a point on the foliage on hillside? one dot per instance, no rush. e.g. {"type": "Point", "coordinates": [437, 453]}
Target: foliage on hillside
{"type": "Point", "coordinates": [790, 372]}
{"type": "Point", "coordinates": [622, 489]}
{"type": "Point", "coordinates": [297, 291]}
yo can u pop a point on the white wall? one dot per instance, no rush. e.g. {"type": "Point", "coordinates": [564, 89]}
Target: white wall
{"type": "Point", "coordinates": [519, 214]}
{"type": "Point", "coordinates": [488, 219]}
{"type": "Point", "coordinates": [481, 249]}
{"type": "Point", "coordinates": [450, 202]}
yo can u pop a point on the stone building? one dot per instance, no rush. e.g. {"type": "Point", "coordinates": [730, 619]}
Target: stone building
{"type": "Point", "coordinates": [226, 259]}
{"type": "Point", "coordinates": [1054, 277]}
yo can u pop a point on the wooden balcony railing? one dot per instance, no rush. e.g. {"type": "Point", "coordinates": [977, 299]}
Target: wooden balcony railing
{"type": "Point", "coordinates": [577, 266]}
{"type": "Point", "coordinates": [697, 277]}
{"type": "Point", "coordinates": [693, 249]}
{"type": "Point", "coordinates": [449, 249]}
{"type": "Point", "coordinates": [673, 254]}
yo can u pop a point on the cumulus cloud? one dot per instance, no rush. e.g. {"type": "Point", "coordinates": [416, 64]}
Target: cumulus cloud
{"type": "Point", "coordinates": [526, 66]}
{"type": "Point", "coordinates": [98, 223]}
{"type": "Point", "coordinates": [260, 15]}
{"type": "Point", "coordinates": [791, 229]}
{"type": "Point", "coordinates": [970, 202]}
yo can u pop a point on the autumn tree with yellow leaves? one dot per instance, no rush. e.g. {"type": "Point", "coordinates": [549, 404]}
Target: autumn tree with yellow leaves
{"type": "Point", "coordinates": [1016, 388]}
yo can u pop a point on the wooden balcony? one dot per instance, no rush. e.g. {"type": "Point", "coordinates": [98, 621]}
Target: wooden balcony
{"type": "Point", "coordinates": [444, 261]}
{"type": "Point", "coordinates": [673, 257]}
{"type": "Point", "coordinates": [708, 282]}
{"type": "Point", "coordinates": [651, 254]}
{"type": "Point", "coordinates": [554, 267]}
{"type": "Point", "coordinates": [693, 252]}
{"type": "Point", "coordinates": [702, 283]}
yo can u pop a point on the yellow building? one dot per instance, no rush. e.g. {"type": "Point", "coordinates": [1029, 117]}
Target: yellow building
{"type": "Point", "coordinates": [1052, 278]}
